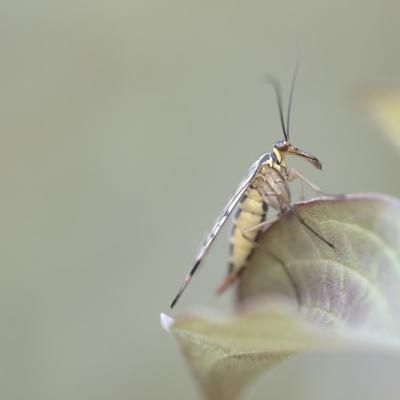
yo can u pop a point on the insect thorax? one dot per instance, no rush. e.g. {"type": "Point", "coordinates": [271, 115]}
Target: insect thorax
{"type": "Point", "coordinates": [271, 183]}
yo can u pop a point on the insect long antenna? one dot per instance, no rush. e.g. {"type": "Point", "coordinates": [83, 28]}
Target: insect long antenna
{"type": "Point", "coordinates": [277, 87]}
{"type": "Point", "coordinates": [292, 85]}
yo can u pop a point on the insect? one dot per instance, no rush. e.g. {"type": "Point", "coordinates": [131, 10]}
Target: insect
{"type": "Point", "coordinates": [265, 185]}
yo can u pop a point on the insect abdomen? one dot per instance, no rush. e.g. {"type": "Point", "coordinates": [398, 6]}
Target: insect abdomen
{"type": "Point", "coordinates": [251, 211]}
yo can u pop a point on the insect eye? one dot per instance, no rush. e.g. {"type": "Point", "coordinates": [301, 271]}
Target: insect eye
{"type": "Point", "coordinates": [281, 145]}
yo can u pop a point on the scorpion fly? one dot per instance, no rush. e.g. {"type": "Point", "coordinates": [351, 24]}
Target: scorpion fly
{"type": "Point", "coordinates": [265, 185]}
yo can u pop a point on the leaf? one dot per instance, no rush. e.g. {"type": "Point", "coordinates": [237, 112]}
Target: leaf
{"type": "Point", "coordinates": [385, 106]}
{"type": "Point", "coordinates": [313, 298]}
{"type": "Point", "coordinates": [361, 275]}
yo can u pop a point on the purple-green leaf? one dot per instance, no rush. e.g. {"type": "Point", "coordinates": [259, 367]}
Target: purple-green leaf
{"type": "Point", "coordinates": [299, 294]}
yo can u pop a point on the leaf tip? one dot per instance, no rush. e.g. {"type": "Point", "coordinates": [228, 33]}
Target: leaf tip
{"type": "Point", "coordinates": [166, 322]}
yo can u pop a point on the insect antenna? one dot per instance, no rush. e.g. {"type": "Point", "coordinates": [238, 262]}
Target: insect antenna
{"type": "Point", "coordinates": [292, 85]}
{"type": "Point", "coordinates": [278, 92]}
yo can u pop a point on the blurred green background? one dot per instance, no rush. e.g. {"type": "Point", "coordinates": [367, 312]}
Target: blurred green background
{"type": "Point", "coordinates": [125, 126]}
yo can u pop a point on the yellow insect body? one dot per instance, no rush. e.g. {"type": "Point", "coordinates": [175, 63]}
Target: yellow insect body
{"type": "Point", "coordinates": [252, 211]}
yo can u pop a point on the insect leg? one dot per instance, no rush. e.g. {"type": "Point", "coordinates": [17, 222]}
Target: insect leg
{"type": "Point", "coordinates": [290, 207]}
{"type": "Point", "coordinates": [301, 195]}
{"type": "Point", "coordinates": [264, 225]}
{"type": "Point", "coordinates": [231, 278]}
{"type": "Point", "coordinates": [318, 235]}
{"type": "Point", "coordinates": [295, 174]}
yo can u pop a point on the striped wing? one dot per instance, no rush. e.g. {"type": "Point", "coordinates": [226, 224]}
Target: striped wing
{"type": "Point", "coordinates": [219, 222]}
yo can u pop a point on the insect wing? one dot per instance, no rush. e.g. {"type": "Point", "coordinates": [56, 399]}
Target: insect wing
{"type": "Point", "coordinates": [230, 206]}
{"type": "Point", "coordinates": [219, 224]}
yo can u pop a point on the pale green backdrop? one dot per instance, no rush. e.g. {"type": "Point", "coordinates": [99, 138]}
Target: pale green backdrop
{"type": "Point", "coordinates": [125, 125]}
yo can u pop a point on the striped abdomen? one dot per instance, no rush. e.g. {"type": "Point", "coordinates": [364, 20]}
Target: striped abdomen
{"type": "Point", "coordinates": [251, 211]}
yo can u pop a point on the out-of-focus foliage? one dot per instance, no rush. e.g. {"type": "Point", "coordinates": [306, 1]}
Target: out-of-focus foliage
{"type": "Point", "coordinates": [315, 297]}
{"type": "Point", "coordinates": [385, 106]}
